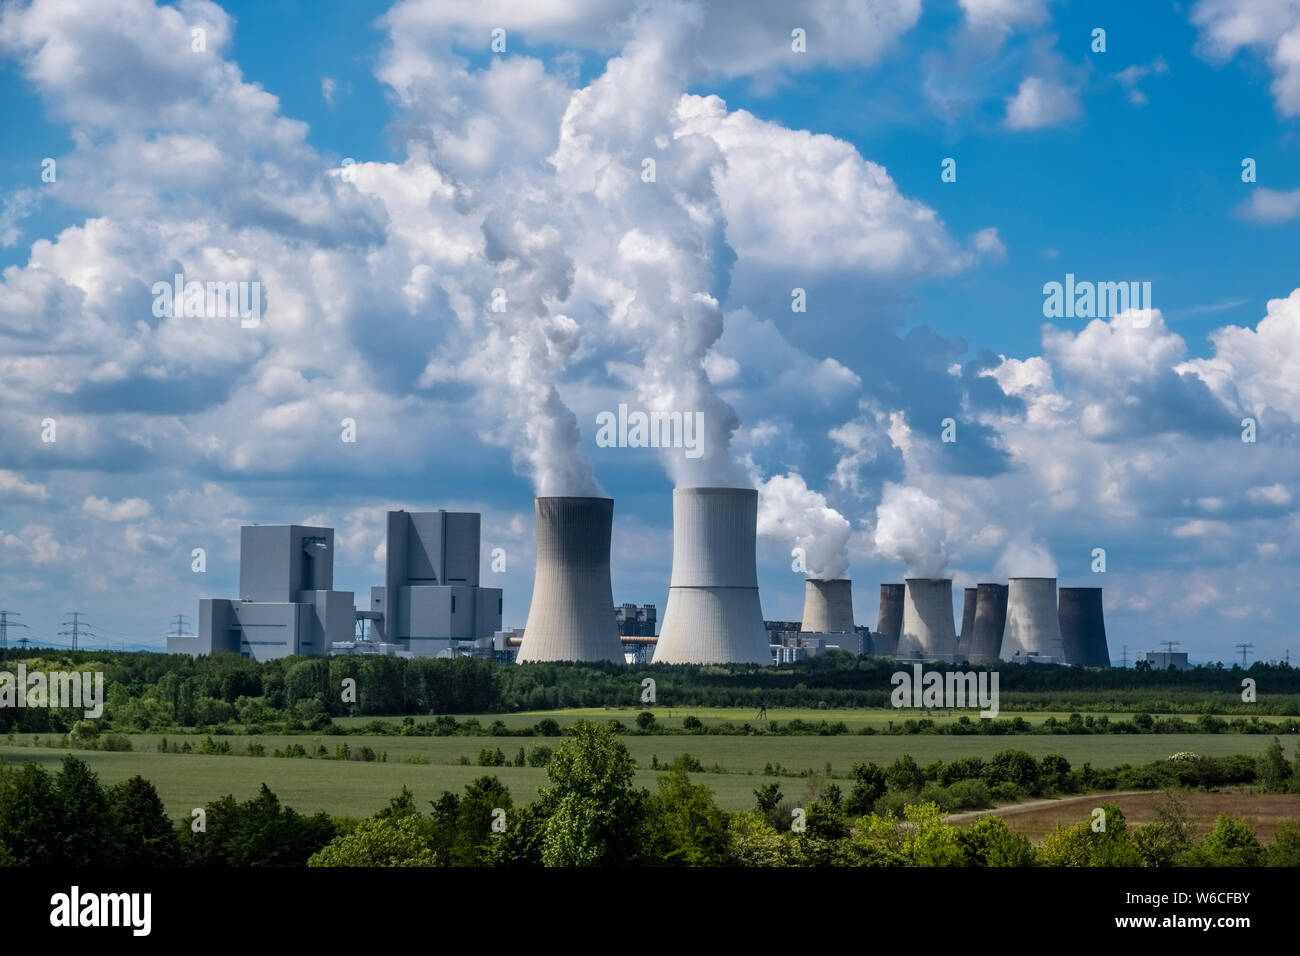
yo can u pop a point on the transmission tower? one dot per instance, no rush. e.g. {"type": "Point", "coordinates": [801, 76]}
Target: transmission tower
{"type": "Point", "coordinates": [180, 628]}
{"type": "Point", "coordinates": [78, 628]}
{"type": "Point", "coordinates": [1169, 647]}
{"type": "Point", "coordinates": [5, 624]}
{"type": "Point", "coordinates": [1244, 648]}
{"type": "Point", "coordinates": [1124, 660]}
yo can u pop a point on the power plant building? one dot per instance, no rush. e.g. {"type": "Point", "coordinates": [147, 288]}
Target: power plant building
{"type": "Point", "coordinates": [967, 624]}
{"type": "Point", "coordinates": [713, 615]}
{"type": "Point", "coordinates": [633, 621]}
{"type": "Point", "coordinates": [431, 600]}
{"type": "Point", "coordinates": [828, 606]}
{"type": "Point", "coordinates": [889, 622]}
{"type": "Point", "coordinates": [1033, 628]}
{"type": "Point", "coordinates": [571, 617]}
{"type": "Point", "coordinates": [990, 621]}
{"type": "Point", "coordinates": [1083, 627]}
{"type": "Point", "coordinates": [287, 603]}
{"type": "Point", "coordinates": [928, 633]}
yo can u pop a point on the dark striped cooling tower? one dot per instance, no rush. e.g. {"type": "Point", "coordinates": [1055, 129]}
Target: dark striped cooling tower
{"type": "Point", "coordinates": [990, 620]}
{"type": "Point", "coordinates": [1083, 628]}
{"type": "Point", "coordinates": [889, 623]}
{"type": "Point", "coordinates": [967, 625]}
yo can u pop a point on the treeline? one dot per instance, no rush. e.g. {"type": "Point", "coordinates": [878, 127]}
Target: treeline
{"type": "Point", "coordinates": [159, 692]}
{"type": "Point", "coordinates": [592, 814]}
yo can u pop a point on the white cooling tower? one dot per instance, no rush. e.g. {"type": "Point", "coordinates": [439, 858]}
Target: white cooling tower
{"type": "Point", "coordinates": [572, 614]}
{"type": "Point", "coordinates": [713, 615]}
{"type": "Point", "coordinates": [828, 606]}
{"type": "Point", "coordinates": [1033, 627]}
{"type": "Point", "coordinates": [928, 631]}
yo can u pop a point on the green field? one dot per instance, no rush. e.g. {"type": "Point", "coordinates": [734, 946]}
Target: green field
{"type": "Point", "coordinates": [356, 788]}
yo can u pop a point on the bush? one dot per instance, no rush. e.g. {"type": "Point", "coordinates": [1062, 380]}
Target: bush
{"type": "Point", "coordinates": [539, 756]}
{"type": "Point", "coordinates": [488, 757]}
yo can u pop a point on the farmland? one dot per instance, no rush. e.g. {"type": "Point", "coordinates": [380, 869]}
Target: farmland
{"type": "Point", "coordinates": [358, 788]}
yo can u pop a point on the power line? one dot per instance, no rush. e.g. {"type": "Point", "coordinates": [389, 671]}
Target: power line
{"type": "Point", "coordinates": [78, 628]}
{"type": "Point", "coordinates": [5, 624]}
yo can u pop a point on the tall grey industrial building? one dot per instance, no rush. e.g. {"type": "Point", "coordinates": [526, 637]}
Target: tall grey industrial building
{"type": "Point", "coordinates": [287, 604]}
{"type": "Point", "coordinates": [429, 602]}
{"type": "Point", "coordinates": [430, 599]}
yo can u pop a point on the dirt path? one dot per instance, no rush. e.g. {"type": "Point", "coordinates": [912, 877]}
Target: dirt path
{"type": "Point", "coordinates": [1015, 808]}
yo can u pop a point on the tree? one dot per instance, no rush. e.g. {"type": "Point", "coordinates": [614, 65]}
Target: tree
{"type": "Point", "coordinates": [687, 826]}
{"type": "Point", "coordinates": [990, 842]}
{"type": "Point", "coordinates": [474, 817]}
{"type": "Point", "coordinates": [904, 776]}
{"type": "Point", "coordinates": [31, 820]}
{"type": "Point", "coordinates": [869, 785]}
{"type": "Point", "coordinates": [593, 813]}
{"type": "Point", "coordinates": [767, 797]}
{"type": "Point", "coordinates": [88, 825]}
{"type": "Point", "coordinates": [753, 842]}
{"type": "Point", "coordinates": [645, 720]}
{"type": "Point", "coordinates": [144, 833]}
{"type": "Point", "coordinates": [1272, 769]}
{"type": "Point", "coordinates": [1285, 849]}
{"type": "Point", "coordinates": [399, 839]}
{"type": "Point", "coordinates": [1231, 843]}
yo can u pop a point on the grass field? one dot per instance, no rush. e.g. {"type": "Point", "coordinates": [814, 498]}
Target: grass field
{"type": "Point", "coordinates": [356, 788]}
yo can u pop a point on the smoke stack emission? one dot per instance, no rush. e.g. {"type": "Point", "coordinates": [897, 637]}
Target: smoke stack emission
{"type": "Point", "coordinates": [1083, 628]}
{"type": "Point", "coordinates": [572, 613]}
{"type": "Point", "coordinates": [1033, 626]}
{"type": "Point", "coordinates": [967, 624]}
{"type": "Point", "coordinates": [928, 632]}
{"type": "Point", "coordinates": [889, 623]}
{"type": "Point", "coordinates": [713, 614]}
{"type": "Point", "coordinates": [990, 622]}
{"type": "Point", "coordinates": [828, 606]}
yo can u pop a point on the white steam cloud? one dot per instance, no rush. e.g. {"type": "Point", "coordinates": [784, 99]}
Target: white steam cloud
{"type": "Point", "coordinates": [653, 252]}
{"type": "Point", "coordinates": [1024, 557]}
{"type": "Point", "coordinates": [911, 529]}
{"type": "Point", "coordinates": [789, 510]}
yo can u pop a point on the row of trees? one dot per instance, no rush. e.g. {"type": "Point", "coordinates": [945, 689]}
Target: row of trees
{"type": "Point", "coordinates": [153, 691]}
{"type": "Point", "coordinates": [69, 818]}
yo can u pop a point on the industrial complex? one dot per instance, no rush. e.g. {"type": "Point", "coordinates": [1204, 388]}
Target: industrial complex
{"type": "Point", "coordinates": [431, 604]}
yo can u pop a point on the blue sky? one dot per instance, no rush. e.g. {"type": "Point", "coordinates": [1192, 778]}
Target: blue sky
{"type": "Point", "coordinates": [924, 297]}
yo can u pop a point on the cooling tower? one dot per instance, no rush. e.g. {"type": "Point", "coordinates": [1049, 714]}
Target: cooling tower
{"type": "Point", "coordinates": [967, 625]}
{"type": "Point", "coordinates": [889, 623]}
{"type": "Point", "coordinates": [1032, 623]}
{"type": "Point", "coordinates": [713, 615]}
{"type": "Point", "coordinates": [990, 620]}
{"type": "Point", "coordinates": [828, 606]}
{"type": "Point", "coordinates": [928, 632]}
{"type": "Point", "coordinates": [1083, 629]}
{"type": "Point", "coordinates": [572, 613]}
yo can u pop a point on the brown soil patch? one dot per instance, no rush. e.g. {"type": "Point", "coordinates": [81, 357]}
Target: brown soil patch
{"type": "Point", "coordinates": [1036, 819]}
